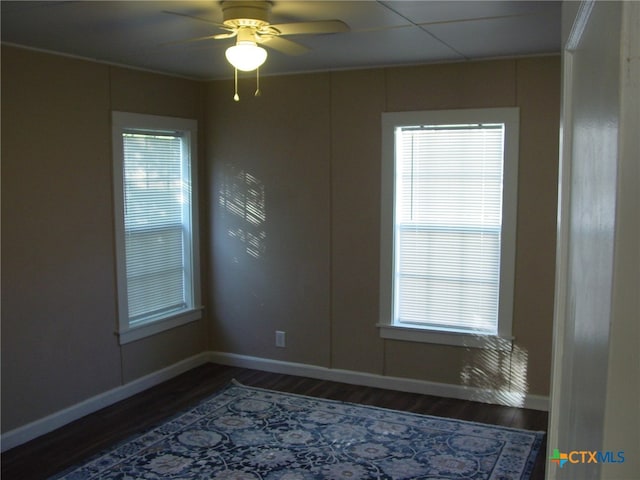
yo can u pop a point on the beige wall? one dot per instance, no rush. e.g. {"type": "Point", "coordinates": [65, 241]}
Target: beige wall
{"type": "Point", "coordinates": [290, 223]}
{"type": "Point", "coordinates": [268, 160]}
{"type": "Point", "coordinates": [313, 143]}
{"type": "Point", "coordinates": [58, 264]}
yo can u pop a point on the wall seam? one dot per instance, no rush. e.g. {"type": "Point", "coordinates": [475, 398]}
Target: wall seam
{"type": "Point", "coordinates": [330, 226]}
{"type": "Point", "coordinates": [385, 108]}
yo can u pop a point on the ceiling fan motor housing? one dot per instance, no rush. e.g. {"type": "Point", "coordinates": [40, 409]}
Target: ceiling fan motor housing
{"type": "Point", "coordinates": [237, 13]}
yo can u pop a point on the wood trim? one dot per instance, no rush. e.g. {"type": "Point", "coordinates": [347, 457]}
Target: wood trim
{"type": "Point", "coordinates": [424, 387]}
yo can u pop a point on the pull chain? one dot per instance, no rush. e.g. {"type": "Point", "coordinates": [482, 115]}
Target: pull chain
{"type": "Point", "coordinates": [235, 81]}
{"type": "Point", "coordinates": [258, 92]}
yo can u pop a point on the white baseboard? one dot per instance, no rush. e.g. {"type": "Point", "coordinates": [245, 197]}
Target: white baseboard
{"type": "Point", "coordinates": [32, 430]}
{"type": "Point", "coordinates": [508, 398]}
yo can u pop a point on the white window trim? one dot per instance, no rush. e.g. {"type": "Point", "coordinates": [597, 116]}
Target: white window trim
{"type": "Point", "coordinates": [510, 117]}
{"type": "Point", "coordinates": [122, 121]}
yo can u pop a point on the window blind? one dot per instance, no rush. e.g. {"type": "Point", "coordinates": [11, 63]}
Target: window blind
{"type": "Point", "coordinates": [154, 218]}
{"type": "Point", "coordinates": [448, 217]}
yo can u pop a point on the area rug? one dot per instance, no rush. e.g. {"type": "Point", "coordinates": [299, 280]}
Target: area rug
{"type": "Point", "coordinates": [246, 433]}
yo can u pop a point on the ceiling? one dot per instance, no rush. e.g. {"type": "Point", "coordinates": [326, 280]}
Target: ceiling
{"type": "Point", "coordinates": [142, 34]}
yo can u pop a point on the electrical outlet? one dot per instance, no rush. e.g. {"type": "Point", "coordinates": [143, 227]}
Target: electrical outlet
{"type": "Point", "coordinates": [281, 339]}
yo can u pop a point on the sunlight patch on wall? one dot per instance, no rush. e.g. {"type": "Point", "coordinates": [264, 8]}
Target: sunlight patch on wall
{"type": "Point", "coordinates": [499, 374]}
{"type": "Point", "coordinates": [242, 199]}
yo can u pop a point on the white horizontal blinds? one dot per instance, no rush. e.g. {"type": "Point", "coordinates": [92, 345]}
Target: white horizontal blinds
{"type": "Point", "coordinates": [154, 235]}
{"type": "Point", "coordinates": [448, 226]}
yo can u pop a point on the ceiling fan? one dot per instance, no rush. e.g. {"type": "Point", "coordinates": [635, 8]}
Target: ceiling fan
{"type": "Point", "coordinates": [248, 22]}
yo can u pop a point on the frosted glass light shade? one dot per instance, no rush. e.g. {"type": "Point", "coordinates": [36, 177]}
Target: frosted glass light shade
{"type": "Point", "coordinates": [246, 56]}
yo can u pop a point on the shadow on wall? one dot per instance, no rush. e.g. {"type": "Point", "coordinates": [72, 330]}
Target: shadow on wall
{"type": "Point", "coordinates": [242, 201]}
{"type": "Point", "coordinates": [500, 374]}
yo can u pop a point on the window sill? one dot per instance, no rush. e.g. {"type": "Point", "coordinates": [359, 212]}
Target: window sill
{"type": "Point", "coordinates": [424, 335]}
{"type": "Point", "coordinates": [153, 327]}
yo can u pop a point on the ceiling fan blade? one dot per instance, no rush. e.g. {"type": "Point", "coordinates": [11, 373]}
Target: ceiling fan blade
{"type": "Point", "coordinates": [317, 27]}
{"type": "Point", "coordinates": [199, 39]}
{"type": "Point", "coordinates": [282, 45]}
{"type": "Point", "coordinates": [211, 22]}
{"type": "Point", "coordinates": [224, 35]}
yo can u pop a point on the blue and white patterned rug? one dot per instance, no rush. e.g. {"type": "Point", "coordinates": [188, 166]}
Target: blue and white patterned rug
{"type": "Point", "coordinates": [245, 433]}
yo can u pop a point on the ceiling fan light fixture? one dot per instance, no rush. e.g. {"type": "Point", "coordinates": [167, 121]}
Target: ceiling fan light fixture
{"type": "Point", "coordinates": [246, 56]}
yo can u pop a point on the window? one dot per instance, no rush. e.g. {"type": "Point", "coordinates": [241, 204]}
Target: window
{"type": "Point", "coordinates": [449, 197]}
{"type": "Point", "coordinates": [156, 223]}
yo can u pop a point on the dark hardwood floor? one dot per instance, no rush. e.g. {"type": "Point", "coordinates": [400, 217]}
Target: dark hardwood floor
{"type": "Point", "coordinates": [73, 443]}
